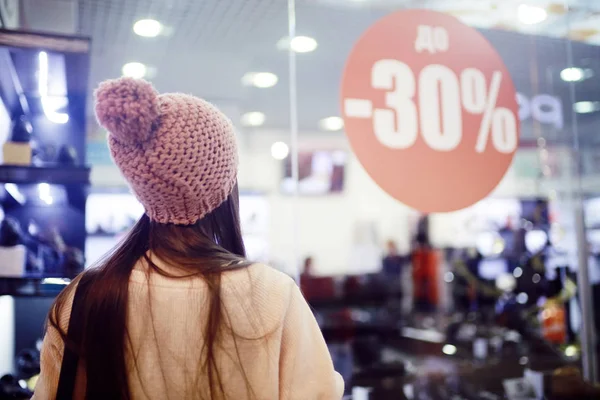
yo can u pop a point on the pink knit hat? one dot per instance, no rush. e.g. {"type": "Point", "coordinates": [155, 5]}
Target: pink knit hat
{"type": "Point", "coordinates": [177, 152]}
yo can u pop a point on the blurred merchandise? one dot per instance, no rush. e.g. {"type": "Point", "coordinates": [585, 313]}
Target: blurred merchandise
{"type": "Point", "coordinates": [425, 263]}
{"type": "Point", "coordinates": [567, 383]}
{"type": "Point", "coordinates": [12, 251]}
{"type": "Point", "coordinates": [67, 155]}
{"type": "Point", "coordinates": [554, 325]}
{"type": "Point", "coordinates": [111, 212]}
{"type": "Point", "coordinates": [43, 85]}
{"type": "Point", "coordinates": [320, 172]}
{"type": "Point", "coordinates": [13, 261]}
{"type": "Point", "coordinates": [12, 388]}
{"type": "Point", "coordinates": [17, 150]}
{"type": "Point", "coordinates": [10, 232]}
{"type": "Point", "coordinates": [21, 384]}
{"type": "Point", "coordinates": [43, 187]}
{"type": "Point", "coordinates": [519, 389]}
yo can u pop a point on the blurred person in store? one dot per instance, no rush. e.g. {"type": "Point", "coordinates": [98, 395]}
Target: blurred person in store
{"type": "Point", "coordinates": [306, 276]}
{"type": "Point", "coordinates": [176, 311]}
{"type": "Point", "coordinates": [425, 270]}
{"type": "Point", "coordinates": [391, 278]}
{"type": "Point", "coordinates": [392, 262]}
{"type": "Point", "coordinates": [307, 267]}
{"type": "Point", "coordinates": [314, 286]}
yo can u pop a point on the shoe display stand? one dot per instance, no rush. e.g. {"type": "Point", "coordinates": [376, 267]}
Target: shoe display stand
{"type": "Point", "coordinates": [44, 183]}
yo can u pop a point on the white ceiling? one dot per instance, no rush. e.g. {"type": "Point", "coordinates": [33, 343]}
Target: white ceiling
{"type": "Point", "coordinates": [211, 43]}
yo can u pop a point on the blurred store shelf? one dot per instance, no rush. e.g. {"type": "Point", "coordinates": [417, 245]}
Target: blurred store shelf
{"type": "Point", "coordinates": [343, 332]}
{"type": "Point", "coordinates": [61, 175]}
{"type": "Point", "coordinates": [353, 300]}
{"type": "Point", "coordinates": [33, 286]}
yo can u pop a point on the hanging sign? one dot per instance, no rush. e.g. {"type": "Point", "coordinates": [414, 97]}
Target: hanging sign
{"type": "Point", "coordinates": [430, 110]}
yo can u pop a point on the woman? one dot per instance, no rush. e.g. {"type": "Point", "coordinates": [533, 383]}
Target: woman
{"type": "Point", "coordinates": [176, 312]}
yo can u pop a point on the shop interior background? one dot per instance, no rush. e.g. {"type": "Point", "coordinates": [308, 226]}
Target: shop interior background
{"type": "Point", "coordinates": [234, 53]}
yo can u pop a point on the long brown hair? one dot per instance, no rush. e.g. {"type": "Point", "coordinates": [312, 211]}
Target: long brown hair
{"type": "Point", "coordinates": [208, 248]}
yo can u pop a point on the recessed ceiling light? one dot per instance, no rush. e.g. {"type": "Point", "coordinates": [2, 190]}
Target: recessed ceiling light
{"type": "Point", "coordinates": [260, 79]}
{"type": "Point", "coordinates": [586, 107]}
{"type": "Point", "coordinates": [331, 123]}
{"type": "Point", "coordinates": [574, 74]}
{"type": "Point", "coordinates": [254, 118]}
{"type": "Point", "coordinates": [299, 44]}
{"type": "Point", "coordinates": [147, 27]}
{"type": "Point", "coordinates": [134, 70]}
{"type": "Point", "coordinates": [280, 150]}
{"type": "Point", "coordinates": [531, 15]}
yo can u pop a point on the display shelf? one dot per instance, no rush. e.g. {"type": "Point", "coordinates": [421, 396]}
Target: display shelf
{"type": "Point", "coordinates": [61, 175]}
{"type": "Point", "coordinates": [365, 299]}
{"type": "Point", "coordinates": [333, 333]}
{"type": "Point", "coordinates": [33, 286]}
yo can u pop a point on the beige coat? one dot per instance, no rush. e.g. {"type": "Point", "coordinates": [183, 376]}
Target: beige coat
{"type": "Point", "coordinates": [166, 318]}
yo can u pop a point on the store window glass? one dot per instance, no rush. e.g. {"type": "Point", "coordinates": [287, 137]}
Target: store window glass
{"type": "Point", "coordinates": [479, 297]}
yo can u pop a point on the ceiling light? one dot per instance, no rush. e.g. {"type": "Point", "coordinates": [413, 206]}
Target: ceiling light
{"type": "Point", "coordinates": [280, 150]}
{"type": "Point", "coordinates": [586, 107]}
{"type": "Point", "coordinates": [260, 79]}
{"type": "Point", "coordinates": [134, 70]}
{"type": "Point", "coordinates": [572, 74]}
{"type": "Point", "coordinates": [331, 124]}
{"type": "Point", "coordinates": [531, 15]}
{"type": "Point", "coordinates": [303, 44]}
{"type": "Point", "coordinates": [299, 44]}
{"type": "Point", "coordinates": [254, 118]}
{"type": "Point", "coordinates": [147, 28]}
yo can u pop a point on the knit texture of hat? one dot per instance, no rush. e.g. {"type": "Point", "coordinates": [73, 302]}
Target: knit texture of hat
{"type": "Point", "coordinates": [177, 152]}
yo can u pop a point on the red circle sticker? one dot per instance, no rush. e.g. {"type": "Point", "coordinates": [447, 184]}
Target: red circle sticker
{"type": "Point", "coordinates": [430, 110]}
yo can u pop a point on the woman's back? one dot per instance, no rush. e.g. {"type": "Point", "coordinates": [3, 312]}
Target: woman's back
{"type": "Point", "coordinates": [277, 351]}
{"type": "Point", "coordinates": [252, 299]}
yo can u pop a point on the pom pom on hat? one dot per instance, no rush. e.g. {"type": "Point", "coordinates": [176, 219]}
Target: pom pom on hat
{"type": "Point", "coordinates": [127, 108]}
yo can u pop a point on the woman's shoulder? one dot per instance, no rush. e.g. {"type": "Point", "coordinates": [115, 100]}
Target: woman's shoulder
{"type": "Point", "coordinates": [260, 275]}
{"type": "Point", "coordinates": [258, 282]}
{"type": "Point", "coordinates": [257, 292]}
{"type": "Point", "coordinates": [60, 312]}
